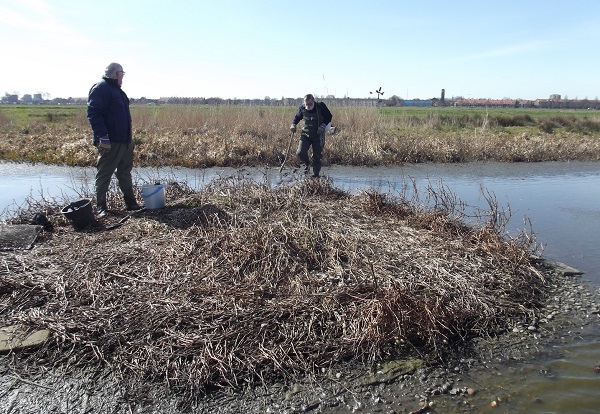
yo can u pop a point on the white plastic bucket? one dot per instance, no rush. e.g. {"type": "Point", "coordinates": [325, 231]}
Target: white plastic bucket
{"type": "Point", "coordinates": [154, 196]}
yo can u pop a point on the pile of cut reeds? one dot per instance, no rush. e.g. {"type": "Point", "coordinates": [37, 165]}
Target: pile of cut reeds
{"type": "Point", "coordinates": [240, 283]}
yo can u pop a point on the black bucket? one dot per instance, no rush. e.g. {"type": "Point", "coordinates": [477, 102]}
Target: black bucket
{"type": "Point", "coordinates": [80, 214]}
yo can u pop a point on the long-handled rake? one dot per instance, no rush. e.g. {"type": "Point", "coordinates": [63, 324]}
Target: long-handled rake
{"type": "Point", "coordinates": [287, 152]}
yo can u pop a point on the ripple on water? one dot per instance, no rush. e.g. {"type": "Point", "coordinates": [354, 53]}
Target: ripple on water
{"type": "Point", "coordinates": [565, 384]}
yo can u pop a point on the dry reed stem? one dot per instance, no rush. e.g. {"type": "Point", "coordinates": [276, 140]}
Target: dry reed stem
{"type": "Point", "coordinates": [241, 283]}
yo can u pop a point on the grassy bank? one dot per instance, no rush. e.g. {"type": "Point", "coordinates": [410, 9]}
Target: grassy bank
{"type": "Point", "coordinates": [239, 284]}
{"type": "Point", "coordinates": [205, 136]}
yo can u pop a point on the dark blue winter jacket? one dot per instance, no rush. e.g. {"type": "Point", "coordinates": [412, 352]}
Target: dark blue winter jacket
{"type": "Point", "coordinates": [108, 111]}
{"type": "Point", "coordinates": [324, 113]}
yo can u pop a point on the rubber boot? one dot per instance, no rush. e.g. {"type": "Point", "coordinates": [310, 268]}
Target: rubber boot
{"type": "Point", "coordinates": [130, 202]}
{"type": "Point", "coordinates": [316, 170]}
{"type": "Point", "coordinates": [101, 208]}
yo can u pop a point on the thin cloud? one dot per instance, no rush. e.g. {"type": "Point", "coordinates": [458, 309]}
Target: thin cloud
{"type": "Point", "coordinates": [36, 16]}
{"type": "Point", "coordinates": [513, 50]}
{"type": "Point", "coordinates": [11, 18]}
{"type": "Point", "coordinates": [507, 51]}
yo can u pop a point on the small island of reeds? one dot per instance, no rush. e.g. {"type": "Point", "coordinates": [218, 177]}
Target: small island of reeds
{"type": "Point", "coordinates": [240, 283]}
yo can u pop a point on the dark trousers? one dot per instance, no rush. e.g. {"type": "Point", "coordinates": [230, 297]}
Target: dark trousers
{"type": "Point", "coordinates": [317, 153]}
{"type": "Point", "coordinates": [118, 161]}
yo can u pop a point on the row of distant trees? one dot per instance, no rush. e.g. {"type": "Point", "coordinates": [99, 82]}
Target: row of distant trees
{"type": "Point", "coordinates": [39, 99]}
{"type": "Point", "coordinates": [555, 101]}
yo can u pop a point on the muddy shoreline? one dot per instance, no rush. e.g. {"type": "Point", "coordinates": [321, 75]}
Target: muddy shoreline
{"type": "Point", "coordinates": [571, 314]}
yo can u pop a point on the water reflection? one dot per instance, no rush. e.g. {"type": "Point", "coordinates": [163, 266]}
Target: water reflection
{"type": "Point", "coordinates": [566, 383]}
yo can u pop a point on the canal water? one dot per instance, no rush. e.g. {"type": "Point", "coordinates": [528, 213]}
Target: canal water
{"type": "Point", "coordinates": [560, 200]}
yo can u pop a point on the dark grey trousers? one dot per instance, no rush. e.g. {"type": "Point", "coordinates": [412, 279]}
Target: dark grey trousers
{"type": "Point", "coordinates": [317, 153]}
{"type": "Point", "coordinates": [118, 161]}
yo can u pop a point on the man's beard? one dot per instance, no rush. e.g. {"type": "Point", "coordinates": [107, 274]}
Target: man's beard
{"type": "Point", "coordinates": [310, 107]}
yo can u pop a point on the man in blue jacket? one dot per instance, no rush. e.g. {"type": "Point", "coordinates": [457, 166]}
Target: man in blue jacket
{"type": "Point", "coordinates": [316, 118]}
{"type": "Point", "coordinates": [109, 116]}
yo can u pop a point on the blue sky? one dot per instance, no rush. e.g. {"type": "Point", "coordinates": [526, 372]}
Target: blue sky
{"type": "Point", "coordinates": [280, 48]}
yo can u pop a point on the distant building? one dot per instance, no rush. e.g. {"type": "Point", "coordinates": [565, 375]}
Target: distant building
{"type": "Point", "coordinates": [567, 103]}
{"type": "Point", "coordinates": [487, 103]}
{"type": "Point", "coordinates": [10, 98]}
{"type": "Point", "coordinates": [418, 102]}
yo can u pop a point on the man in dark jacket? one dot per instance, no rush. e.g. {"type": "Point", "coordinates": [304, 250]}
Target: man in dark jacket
{"type": "Point", "coordinates": [109, 116]}
{"type": "Point", "coordinates": [317, 119]}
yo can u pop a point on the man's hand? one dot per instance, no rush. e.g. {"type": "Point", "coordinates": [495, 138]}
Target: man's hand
{"type": "Point", "coordinates": [104, 145]}
{"type": "Point", "coordinates": [321, 129]}
{"type": "Point", "coordinates": [293, 128]}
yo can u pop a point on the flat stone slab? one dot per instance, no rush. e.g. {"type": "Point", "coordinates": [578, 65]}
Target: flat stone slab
{"type": "Point", "coordinates": [16, 337]}
{"type": "Point", "coordinates": [18, 236]}
{"type": "Point", "coordinates": [565, 269]}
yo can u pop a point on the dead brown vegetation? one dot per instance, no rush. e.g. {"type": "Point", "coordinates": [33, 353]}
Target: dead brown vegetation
{"type": "Point", "coordinates": [240, 283]}
{"type": "Point", "coordinates": [206, 136]}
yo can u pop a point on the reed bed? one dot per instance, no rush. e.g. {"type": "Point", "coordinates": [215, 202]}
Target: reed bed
{"type": "Point", "coordinates": [206, 136]}
{"type": "Point", "coordinates": [239, 284]}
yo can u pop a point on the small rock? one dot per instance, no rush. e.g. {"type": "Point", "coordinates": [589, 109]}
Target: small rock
{"type": "Point", "coordinates": [454, 391]}
{"type": "Point", "coordinates": [17, 337]}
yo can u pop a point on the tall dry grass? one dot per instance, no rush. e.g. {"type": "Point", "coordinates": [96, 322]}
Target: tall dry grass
{"type": "Point", "coordinates": [204, 136]}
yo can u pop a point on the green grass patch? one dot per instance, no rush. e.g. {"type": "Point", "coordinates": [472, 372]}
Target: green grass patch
{"type": "Point", "coordinates": [22, 115]}
{"type": "Point", "coordinates": [453, 119]}
{"type": "Point", "coordinates": [450, 111]}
